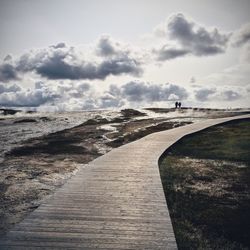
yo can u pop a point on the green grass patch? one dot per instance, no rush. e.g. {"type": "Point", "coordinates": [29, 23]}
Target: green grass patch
{"type": "Point", "coordinates": [226, 142]}
{"type": "Point", "coordinates": [206, 180]}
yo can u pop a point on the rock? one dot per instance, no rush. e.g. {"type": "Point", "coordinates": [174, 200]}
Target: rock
{"type": "Point", "coordinates": [131, 113]}
{"type": "Point", "coordinates": [25, 120]}
{"type": "Point", "coordinates": [161, 110]}
{"type": "Point", "coordinates": [44, 119]}
{"type": "Point", "coordinates": [30, 112]}
{"type": "Point", "coordinates": [9, 111]}
{"type": "Point", "coordinates": [96, 121]}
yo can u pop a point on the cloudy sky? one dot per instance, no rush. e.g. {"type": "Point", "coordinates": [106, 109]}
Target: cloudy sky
{"type": "Point", "coordinates": [90, 54]}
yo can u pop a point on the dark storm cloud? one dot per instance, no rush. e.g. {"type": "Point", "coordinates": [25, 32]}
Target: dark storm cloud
{"type": "Point", "coordinates": [218, 94]}
{"type": "Point", "coordinates": [108, 47]}
{"type": "Point", "coordinates": [105, 47]}
{"type": "Point", "coordinates": [192, 38]}
{"type": "Point", "coordinates": [9, 88]}
{"type": "Point", "coordinates": [59, 46]}
{"type": "Point", "coordinates": [62, 62]}
{"type": "Point", "coordinates": [196, 38]}
{"type": "Point", "coordinates": [138, 91]}
{"type": "Point", "coordinates": [166, 53]}
{"type": "Point", "coordinates": [203, 94]}
{"type": "Point", "coordinates": [60, 65]}
{"type": "Point", "coordinates": [56, 68]}
{"type": "Point", "coordinates": [7, 72]}
{"type": "Point", "coordinates": [118, 66]}
{"type": "Point", "coordinates": [8, 58]}
{"type": "Point", "coordinates": [230, 95]}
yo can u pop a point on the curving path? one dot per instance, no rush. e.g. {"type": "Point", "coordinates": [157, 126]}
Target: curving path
{"type": "Point", "coordinates": [115, 202]}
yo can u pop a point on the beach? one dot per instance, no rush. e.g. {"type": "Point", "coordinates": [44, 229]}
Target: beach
{"type": "Point", "coordinates": [41, 151]}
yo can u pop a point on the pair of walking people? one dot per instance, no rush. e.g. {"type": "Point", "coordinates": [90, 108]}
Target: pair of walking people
{"type": "Point", "coordinates": [177, 105]}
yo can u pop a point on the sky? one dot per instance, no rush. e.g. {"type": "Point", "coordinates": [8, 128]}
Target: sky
{"type": "Point", "coordinates": [64, 55]}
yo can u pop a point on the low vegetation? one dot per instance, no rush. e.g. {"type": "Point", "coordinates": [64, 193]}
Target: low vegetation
{"type": "Point", "coordinates": [206, 179]}
{"type": "Point", "coordinates": [37, 167]}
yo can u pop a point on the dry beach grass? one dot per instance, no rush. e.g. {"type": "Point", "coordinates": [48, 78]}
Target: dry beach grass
{"type": "Point", "coordinates": [206, 179]}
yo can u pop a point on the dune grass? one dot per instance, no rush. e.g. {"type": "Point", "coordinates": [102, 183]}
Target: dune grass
{"type": "Point", "coordinates": [206, 180]}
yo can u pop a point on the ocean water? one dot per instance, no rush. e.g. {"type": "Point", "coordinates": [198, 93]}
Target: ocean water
{"type": "Point", "coordinates": [13, 133]}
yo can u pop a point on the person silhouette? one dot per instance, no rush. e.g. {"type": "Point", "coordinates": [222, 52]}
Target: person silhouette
{"type": "Point", "coordinates": [176, 105]}
{"type": "Point", "coordinates": [179, 105]}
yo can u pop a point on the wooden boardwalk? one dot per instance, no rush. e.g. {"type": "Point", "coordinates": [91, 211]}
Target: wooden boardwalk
{"type": "Point", "coordinates": [115, 202]}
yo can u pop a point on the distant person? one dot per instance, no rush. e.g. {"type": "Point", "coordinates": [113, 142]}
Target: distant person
{"type": "Point", "coordinates": [176, 105]}
{"type": "Point", "coordinates": [179, 105]}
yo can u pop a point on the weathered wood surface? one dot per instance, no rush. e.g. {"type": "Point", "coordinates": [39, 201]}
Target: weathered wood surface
{"type": "Point", "coordinates": [115, 202]}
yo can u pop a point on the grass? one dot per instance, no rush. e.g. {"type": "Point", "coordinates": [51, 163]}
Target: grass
{"type": "Point", "coordinates": [226, 142]}
{"type": "Point", "coordinates": [206, 180]}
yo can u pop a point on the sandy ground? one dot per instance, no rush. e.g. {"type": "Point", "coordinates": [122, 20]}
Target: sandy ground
{"type": "Point", "coordinates": [36, 169]}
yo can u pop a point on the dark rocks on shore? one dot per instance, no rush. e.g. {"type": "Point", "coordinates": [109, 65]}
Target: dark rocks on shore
{"type": "Point", "coordinates": [45, 119]}
{"type": "Point", "coordinates": [30, 112]}
{"type": "Point", "coordinates": [126, 115]}
{"type": "Point", "coordinates": [98, 120]}
{"type": "Point", "coordinates": [160, 110]}
{"type": "Point", "coordinates": [131, 113]}
{"type": "Point", "coordinates": [9, 111]}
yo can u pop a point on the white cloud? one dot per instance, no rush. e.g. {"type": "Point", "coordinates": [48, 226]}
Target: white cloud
{"type": "Point", "coordinates": [20, 97]}
{"type": "Point", "coordinates": [66, 76]}
{"type": "Point", "coordinates": [186, 37]}
{"type": "Point", "coordinates": [241, 36]}
{"type": "Point", "coordinates": [219, 94]}
{"type": "Point", "coordinates": [145, 92]}
{"type": "Point", "coordinates": [63, 62]}
{"type": "Point", "coordinates": [245, 54]}
{"type": "Point", "coordinates": [9, 88]}
{"type": "Point", "coordinates": [81, 95]}
{"type": "Point", "coordinates": [204, 93]}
